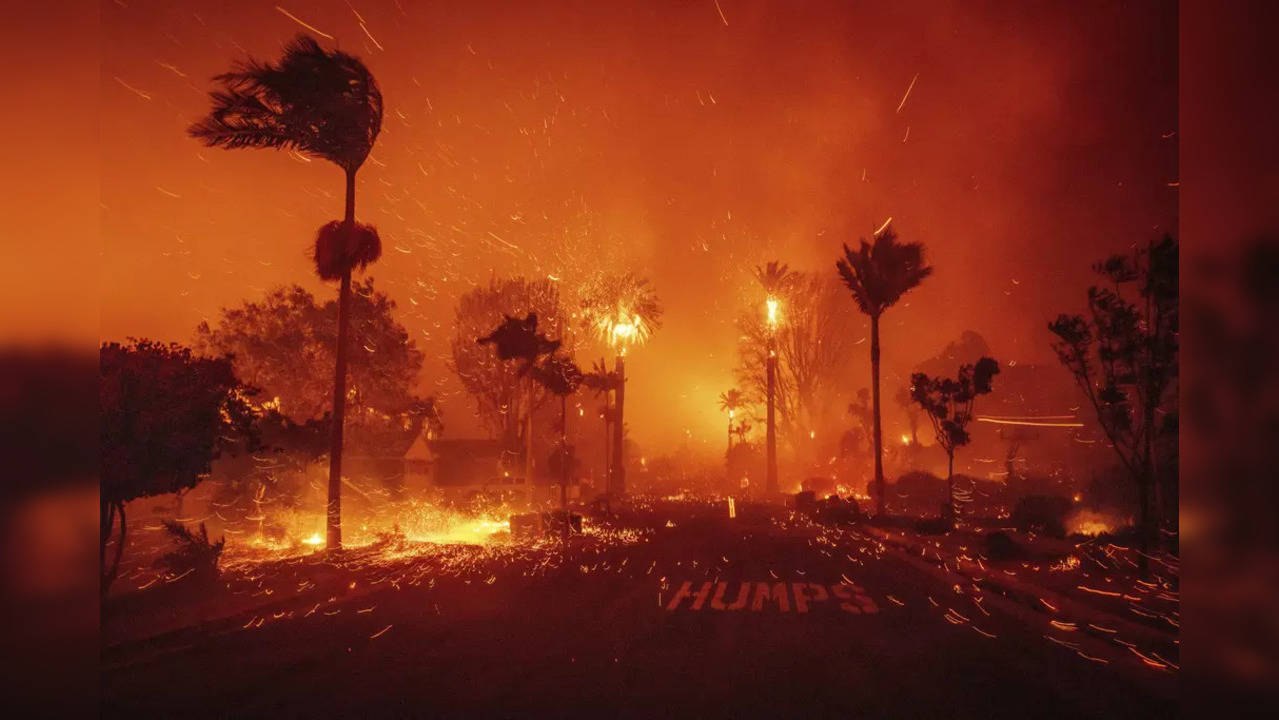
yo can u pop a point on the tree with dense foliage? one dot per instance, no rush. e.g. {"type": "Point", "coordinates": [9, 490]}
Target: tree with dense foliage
{"type": "Point", "coordinates": [498, 388]}
{"type": "Point", "coordinates": [1124, 356]}
{"type": "Point", "coordinates": [878, 274]}
{"type": "Point", "coordinates": [284, 345]}
{"type": "Point", "coordinates": [166, 414]}
{"type": "Point", "coordinates": [325, 104]}
{"type": "Point", "coordinates": [949, 405]}
{"type": "Point", "coordinates": [517, 341]}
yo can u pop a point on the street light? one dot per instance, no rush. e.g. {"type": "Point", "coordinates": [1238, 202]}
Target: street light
{"type": "Point", "coordinates": [773, 309]}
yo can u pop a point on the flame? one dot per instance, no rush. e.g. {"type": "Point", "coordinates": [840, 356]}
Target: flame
{"type": "Point", "coordinates": [774, 311]}
{"type": "Point", "coordinates": [1087, 522]}
{"type": "Point", "coordinates": [621, 329]}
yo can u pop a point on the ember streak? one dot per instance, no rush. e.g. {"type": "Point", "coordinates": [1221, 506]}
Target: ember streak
{"type": "Point", "coordinates": [440, 339]}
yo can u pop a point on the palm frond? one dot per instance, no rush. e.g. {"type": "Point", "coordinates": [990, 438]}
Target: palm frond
{"type": "Point", "coordinates": [321, 103]}
{"type": "Point", "coordinates": [879, 273]}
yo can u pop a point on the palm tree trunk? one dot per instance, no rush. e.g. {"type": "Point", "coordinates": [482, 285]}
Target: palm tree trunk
{"type": "Point", "coordinates": [333, 540]}
{"type": "Point", "coordinates": [770, 431]}
{"type": "Point", "coordinates": [608, 439]}
{"type": "Point", "coordinates": [528, 435]}
{"type": "Point", "coordinates": [564, 467]}
{"type": "Point", "coordinates": [618, 485]}
{"type": "Point", "coordinates": [878, 434]}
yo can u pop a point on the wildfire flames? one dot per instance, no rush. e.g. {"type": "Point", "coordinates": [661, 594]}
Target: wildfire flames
{"type": "Point", "coordinates": [1088, 522]}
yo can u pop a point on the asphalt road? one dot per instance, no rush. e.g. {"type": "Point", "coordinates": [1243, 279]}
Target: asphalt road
{"type": "Point", "coordinates": [517, 636]}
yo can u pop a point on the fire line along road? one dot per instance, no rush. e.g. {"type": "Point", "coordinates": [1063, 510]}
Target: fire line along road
{"type": "Point", "coordinates": [683, 611]}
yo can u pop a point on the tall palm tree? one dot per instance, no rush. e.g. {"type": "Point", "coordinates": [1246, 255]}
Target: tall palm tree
{"type": "Point", "coordinates": [622, 311]}
{"type": "Point", "coordinates": [327, 105]}
{"type": "Point", "coordinates": [518, 339]}
{"type": "Point", "coordinates": [730, 401]}
{"type": "Point", "coordinates": [561, 376]}
{"type": "Point", "coordinates": [778, 281]}
{"type": "Point", "coordinates": [878, 274]}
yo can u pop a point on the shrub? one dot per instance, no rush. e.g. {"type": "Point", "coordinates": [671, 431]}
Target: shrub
{"type": "Point", "coordinates": [1045, 514]}
{"type": "Point", "coordinates": [194, 554]}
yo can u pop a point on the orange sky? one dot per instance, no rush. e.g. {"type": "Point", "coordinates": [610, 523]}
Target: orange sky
{"type": "Point", "coordinates": [667, 141]}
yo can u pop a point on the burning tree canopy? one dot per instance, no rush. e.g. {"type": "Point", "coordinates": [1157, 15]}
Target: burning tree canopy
{"type": "Point", "coordinates": [620, 310]}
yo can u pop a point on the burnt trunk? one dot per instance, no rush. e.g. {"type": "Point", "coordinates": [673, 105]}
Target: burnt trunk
{"type": "Point", "coordinates": [878, 439]}
{"type": "Point", "coordinates": [770, 479]}
{"type": "Point", "coordinates": [333, 539]}
{"type": "Point", "coordinates": [618, 485]}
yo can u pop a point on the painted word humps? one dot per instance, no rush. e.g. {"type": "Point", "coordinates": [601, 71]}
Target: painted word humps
{"type": "Point", "coordinates": [773, 596]}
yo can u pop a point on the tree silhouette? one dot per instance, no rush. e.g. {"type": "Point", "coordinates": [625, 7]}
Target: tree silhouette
{"type": "Point", "coordinates": [877, 275]}
{"type": "Point", "coordinates": [517, 340]}
{"type": "Point", "coordinates": [284, 345]}
{"type": "Point", "coordinates": [497, 387]}
{"type": "Point", "coordinates": [604, 381]}
{"type": "Point", "coordinates": [949, 405]}
{"type": "Point", "coordinates": [561, 376]}
{"type": "Point", "coordinates": [621, 310]}
{"type": "Point", "coordinates": [1124, 358]}
{"type": "Point", "coordinates": [730, 401]}
{"type": "Point", "coordinates": [328, 105]}
{"type": "Point", "coordinates": [813, 344]}
{"type": "Point", "coordinates": [166, 415]}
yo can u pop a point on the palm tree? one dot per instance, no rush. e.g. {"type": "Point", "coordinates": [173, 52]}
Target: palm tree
{"type": "Point", "coordinates": [730, 401]}
{"type": "Point", "coordinates": [622, 311]}
{"type": "Point", "coordinates": [561, 376]}
{"type": "Point", "coordinates": [878, 274]}
{"type": "Point", "coordinates": [778, 280]}
{"type": "Point", "coordinates": [327, 105]}
{"type": "Point", "coordinates": [518, 339]}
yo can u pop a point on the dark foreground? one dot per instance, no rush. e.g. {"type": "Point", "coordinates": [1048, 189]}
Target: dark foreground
{"type": "Point", "coordinates": [479, 633]}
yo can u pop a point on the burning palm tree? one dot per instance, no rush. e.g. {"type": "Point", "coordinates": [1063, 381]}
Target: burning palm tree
{"type": "Point", "coordinates": [622, 311]}
{"type": "Point", "coordinates": [777, 280]}
{"type": "Point", "coordinates": [730, 401]}
{"type": "Point", "coordinates": [327, 105]}
{"type": "Point", "coordinates": [877, 275]}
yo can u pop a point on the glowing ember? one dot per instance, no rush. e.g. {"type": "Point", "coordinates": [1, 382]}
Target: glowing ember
{"type": "Point", "coordinates": [1087, 522]}
{"type": "Point", "coordinates": [774, 311]}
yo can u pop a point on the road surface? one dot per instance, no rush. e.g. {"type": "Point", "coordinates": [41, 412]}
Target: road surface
{"type": "Point", "coordinates": [518, 636]}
